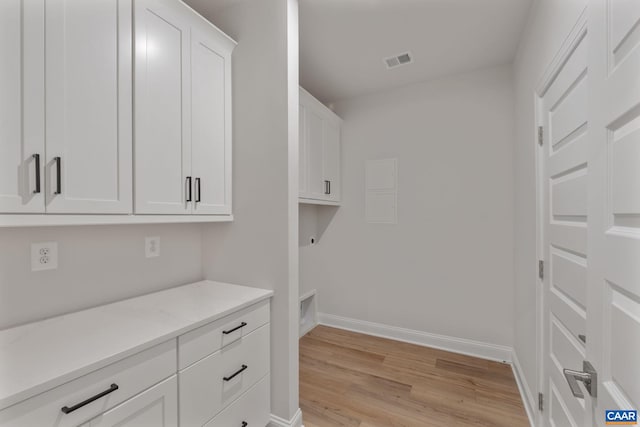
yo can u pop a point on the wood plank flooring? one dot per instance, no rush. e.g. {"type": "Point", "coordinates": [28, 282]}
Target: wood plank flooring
{"type": "Point", "coordinates": [350, 379]}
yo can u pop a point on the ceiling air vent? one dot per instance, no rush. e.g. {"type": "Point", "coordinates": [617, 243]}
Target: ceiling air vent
{"type": "Point", "coordinates": [396, 61]}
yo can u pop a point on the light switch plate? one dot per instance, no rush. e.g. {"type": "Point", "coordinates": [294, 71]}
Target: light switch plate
{"type": "Point", "coordinates": [152, 247]}
{"type": "Point", "coordinates": [44, 256]}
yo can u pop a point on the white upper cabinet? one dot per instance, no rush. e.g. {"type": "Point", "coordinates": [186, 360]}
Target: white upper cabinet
{"type": "Point", "coordinates": [162, 148]}
{"type": "Point", "coordinates": [320, 180]}
{"type": "Point", "coordinates": [88, 106]}
{"type": "Point", "coordinates": [85, 76]}
{"type": "Point", "coordinates": [211, 122]}
{"type": "Point", "coordinates": [21, 106]}
{"type": "Point", "coordinates": [331, 159]}
{"type": "Point", "coordinates": [182, 111]}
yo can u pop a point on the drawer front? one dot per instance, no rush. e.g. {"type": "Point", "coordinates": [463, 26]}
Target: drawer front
{"type": "Point", "coordinates": [203, 389]}
{"type": "Point", "coordinates": [252, 408]}
{"type": "Point", "coordinates": [155, 407]}
{"type": "Point", "coordinates": [208, 339]}
{"type": "Point", "coordinates": [131, 375]}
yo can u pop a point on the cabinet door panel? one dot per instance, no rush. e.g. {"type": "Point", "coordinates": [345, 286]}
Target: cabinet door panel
{"type": "Point", "coordinates": [331, 159]}
{"type": "Point", "coordinates": [21, 104]}
{"type": "Point", "coordinates": [162, 147]}
{"type": "Point", "coordinates": [315, 131]}
{"type": "Point", "coordinates": [88, 106]}
{"type": "Point", "coordinates": [156, 407]}
{"type": "Point", "coordinates": [211, 125]}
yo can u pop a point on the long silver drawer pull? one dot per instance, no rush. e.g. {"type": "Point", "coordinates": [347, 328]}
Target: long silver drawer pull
{"type": "Point", "coordinates": [241, 325]}
{"type": "Point", "coordinates": [238, 372]}
{"type": "Point", "coordinates": [68, 410]}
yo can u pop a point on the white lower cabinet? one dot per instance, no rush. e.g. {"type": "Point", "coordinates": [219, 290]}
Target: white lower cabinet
{"type": "Point", "coordinates": [222, 380]}
{"type": "Point", "coordinates": [252, 409]}
{"type": "Point", "coordinates": [68, 405]}
{"type": "Point", "coordinates": [209, 385]}
{"type": "Point", "coordinates": [156, 407]}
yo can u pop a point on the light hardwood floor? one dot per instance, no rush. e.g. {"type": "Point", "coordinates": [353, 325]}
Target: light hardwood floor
{"type": "Point", "coordinates": [350, 379]}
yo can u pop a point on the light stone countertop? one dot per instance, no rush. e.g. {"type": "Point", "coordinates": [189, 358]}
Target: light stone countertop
{"type": "Point", "coordinates": [42, 355]}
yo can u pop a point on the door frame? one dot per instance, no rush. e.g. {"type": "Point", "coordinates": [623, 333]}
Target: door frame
{"type": "Point", "coordinates": [575, 36]}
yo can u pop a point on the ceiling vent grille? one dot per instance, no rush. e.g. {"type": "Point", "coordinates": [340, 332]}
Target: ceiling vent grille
{"type": "Point", "coordinates": [396, 61]}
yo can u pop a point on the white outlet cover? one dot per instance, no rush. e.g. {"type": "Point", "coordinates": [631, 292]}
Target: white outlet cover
{"type": "Point", "coordinates": [152, 247]}
{"type": "Point", "coordinates": [44, 256]}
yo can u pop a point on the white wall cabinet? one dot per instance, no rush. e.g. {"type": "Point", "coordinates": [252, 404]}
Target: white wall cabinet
{"type": "Point", "coordinates": [320, 181]}
{"type": "Point", "coordinates": [84, 73]}
{"type": "Point", "coordinates": [67, 113]}
{"type": "Point", "coordinates": [182, 112]}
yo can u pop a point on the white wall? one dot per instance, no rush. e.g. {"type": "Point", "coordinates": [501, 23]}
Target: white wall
{"type": "Point", "coordinates": [260, 247]}
{"type": "Point", "coordinates": [97, 265]}
{"type": "Point", "coordinates": [447, 266]}
{"type": "Point", "coordinates": [549, 23]}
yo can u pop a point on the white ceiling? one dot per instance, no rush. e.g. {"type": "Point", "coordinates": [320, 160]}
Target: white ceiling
{"type": "Point", "coordinates": [343, 42]}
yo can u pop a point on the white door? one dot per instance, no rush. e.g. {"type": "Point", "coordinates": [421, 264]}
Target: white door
{"type": "Point", "coordinates": [591, 182]}
{"type": "Point", "coordinates": [613, 328]}
{"type": "Point", "coordinates": [211, 124]}
{"type": "Point", "coordinates": [303, 154]}
{"type": "Point", "coordinates": [331, 160]}
{"type": "Point", "coordinates": [317, 188]}
{"type": "Point", "coordinates": [163, 180]}
{"type": "Point", "coordinates": [88, 106]}
{"type": "Point", "coordinates": [564, 114]}
{"type": "Point", "coordinates": [156, 407]}
{"type": "Point", "coordinates": [21, 106]}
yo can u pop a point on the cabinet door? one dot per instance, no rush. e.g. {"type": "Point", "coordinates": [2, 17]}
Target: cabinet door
{"type": "Point", "coordinates": [88, 106]}
{"type": "Point", "coordinates": [303, 152]}
{"type": "Point", "coordinates": [210, 123]}
{"type": "Point", "coordinates": [316, 185]}
{"type": "Point", "coordinates": [331, 160]}
{"type": "Point", "coordinates": [161, 110]}
{"type": "Point", "coordinates": [156, 407]}
{"type": "Point", "coordinates": [21, 105]}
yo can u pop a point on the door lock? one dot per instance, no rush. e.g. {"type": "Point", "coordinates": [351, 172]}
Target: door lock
{"type": "Point", "coordinates": [588, 376]}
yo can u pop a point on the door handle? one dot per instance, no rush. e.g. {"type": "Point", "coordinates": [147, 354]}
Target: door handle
{"type": "Point", "coordinates": [327, 187]}
{"type": "Point", "coordinates": [197, 190]}
{"type": "Point", "coordinates": [58, 161]}
{"type": "Point", "coordinates": [588, 376]}
{"type": "Point", "coordinates": [36, 158]}
{"type": "Point", "coordinates": [188, 183]}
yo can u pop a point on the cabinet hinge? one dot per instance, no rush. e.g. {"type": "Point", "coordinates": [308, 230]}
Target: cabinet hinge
{"type": "Point", "coordinates": [541, 401]}
{"type": "Point", "coordinates": [540, 135]}
{"type": "Point", "coordinates": [541, 269]}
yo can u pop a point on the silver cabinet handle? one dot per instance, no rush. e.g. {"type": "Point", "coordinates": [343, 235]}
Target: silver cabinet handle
{"type": "Point", "coordinates": [589, 377]}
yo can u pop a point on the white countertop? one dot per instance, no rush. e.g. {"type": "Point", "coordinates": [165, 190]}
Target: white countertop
{"type": "Point", "coordinates": [39, 356]}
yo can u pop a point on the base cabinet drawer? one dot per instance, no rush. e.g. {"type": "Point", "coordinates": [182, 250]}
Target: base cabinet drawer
{"type": "Point", "coordinates": [210, 338]}
{"type": "Point", "coordinates": [214, 382]}
{"type": "Point", "coordinates": [114, 384]}
{"type": "Point", "coordinates": [250, 410]}
{"type": "Point", "coordinates": [156, 407]}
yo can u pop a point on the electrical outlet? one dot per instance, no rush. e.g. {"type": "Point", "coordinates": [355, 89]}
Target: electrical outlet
{"type": "Point", "coordinates": [152, 247]}
{"type": "Point", "coordinates": [44, 256]}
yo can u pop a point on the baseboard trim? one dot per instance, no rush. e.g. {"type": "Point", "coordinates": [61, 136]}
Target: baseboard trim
{"type": "Point", "coordinates": [483, 350]}
{"type": "Point", "coordinates": [525, 391]}
{"type": "Point", "coordinates": [296, 421]}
